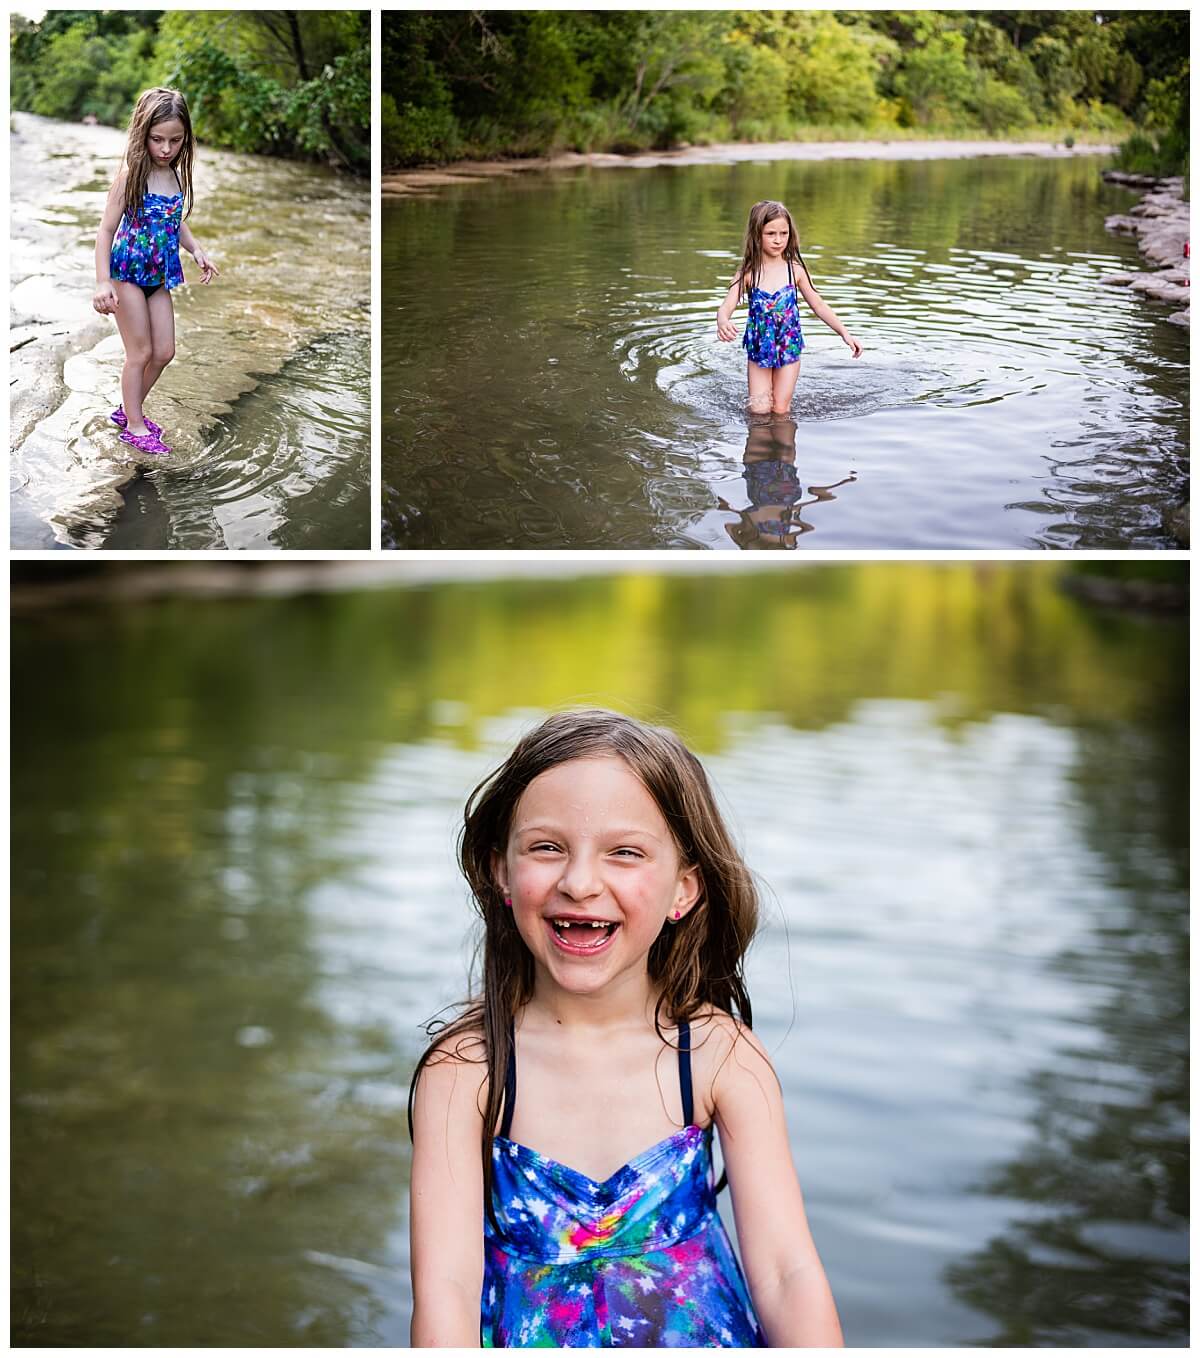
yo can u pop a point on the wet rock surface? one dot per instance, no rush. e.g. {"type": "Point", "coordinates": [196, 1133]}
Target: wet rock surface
{"type": "Point", "coordinates": [293, 245]}
{"type": "Point", "coordinates": [1160, 223]}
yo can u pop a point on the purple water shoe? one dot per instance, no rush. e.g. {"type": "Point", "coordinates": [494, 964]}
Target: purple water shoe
{"type": "Point", "coordinates": [118, 418]}
{"type": "Point", "coordinates": [145, 443]}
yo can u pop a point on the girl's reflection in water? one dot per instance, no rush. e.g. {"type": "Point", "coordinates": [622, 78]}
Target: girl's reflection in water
{"type": "Point", "coordinates": [773, 522]}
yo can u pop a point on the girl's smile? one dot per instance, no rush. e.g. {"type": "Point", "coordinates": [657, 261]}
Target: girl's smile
{"type": "Point", "coordinates": [593, 872]}
{"type": "Point", "coordinates": [581, 935]}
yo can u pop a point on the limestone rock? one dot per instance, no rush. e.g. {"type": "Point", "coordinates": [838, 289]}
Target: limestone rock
{"type": "Point", "coordinates": [1161, 221]}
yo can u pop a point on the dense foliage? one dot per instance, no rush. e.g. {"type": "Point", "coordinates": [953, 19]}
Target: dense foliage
{"type": "Point", "coordinates": [528, 81]}
{"type": "Point", "coordinates": [279, 82]}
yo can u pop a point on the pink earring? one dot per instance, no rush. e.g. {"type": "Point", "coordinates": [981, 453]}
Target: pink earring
{"type": "Point", "coordinates": [508, 901]}
{"type": "Point", "coordinates": [676, 914]}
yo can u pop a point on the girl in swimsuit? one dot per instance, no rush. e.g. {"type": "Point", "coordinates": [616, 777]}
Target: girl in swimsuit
{"type": "Point", "coordinates": [137, 253]}
{"type": "Point", "coordinates": [562, 1184]}
{"type": "Point", "coordinates": [774, 276]}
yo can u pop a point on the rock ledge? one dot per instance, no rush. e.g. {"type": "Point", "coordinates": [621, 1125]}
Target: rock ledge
{"type": "Point", "coordinates": [1160, 223]}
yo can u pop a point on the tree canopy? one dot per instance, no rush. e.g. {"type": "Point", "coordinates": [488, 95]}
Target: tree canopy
{"type": "Point", "coordinates": [282, 82]}
{"type": "Point", "coordinates": [527, 81]}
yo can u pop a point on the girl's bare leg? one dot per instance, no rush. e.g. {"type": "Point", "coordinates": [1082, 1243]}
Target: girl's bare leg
{"type": "Point", "coordinates": [758, 381]}
{"type": "Point", "coordinates": [783, 386]}
{"type": "Point", "coordinates": [133, 321]}
{"type": "Point", "coordinates": [162, 338]}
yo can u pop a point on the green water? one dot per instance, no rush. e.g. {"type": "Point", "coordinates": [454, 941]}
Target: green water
{"type": "Point", "coordinates": [551, 375]}
{"type": "Point", "coordinates": [234, 900]}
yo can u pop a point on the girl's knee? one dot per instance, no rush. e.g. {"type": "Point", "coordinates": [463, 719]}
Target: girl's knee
{"type": "Point", "coordinates": [138, 352]}
{"type": "Point", "coordinates": [759, 402]}
{"type": "Point", "coordinates": [781, 407]}
{"type": "Point", "coordinates": [163, 354]}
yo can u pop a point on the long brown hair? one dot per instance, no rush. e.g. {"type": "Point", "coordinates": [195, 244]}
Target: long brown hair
{"type": "Point", "coordinates": [752, 251]}
{"type": "Point", "coordinates": [157, 106]}
{"type": "Point", "coordinates": [692, 964]}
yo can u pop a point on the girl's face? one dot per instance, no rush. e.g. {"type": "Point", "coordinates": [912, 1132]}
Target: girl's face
{"type": "Point", "coordinates": [594, 874]}
{"type": "Point", "coordinates": [164, 141]}
{"type": "Point", "coordinates": [775, 237]}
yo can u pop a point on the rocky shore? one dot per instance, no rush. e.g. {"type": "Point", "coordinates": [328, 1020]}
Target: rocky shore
{"type": "Point", "coordinates": [1160, 223]}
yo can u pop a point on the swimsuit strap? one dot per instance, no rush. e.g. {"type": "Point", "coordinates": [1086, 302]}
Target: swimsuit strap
{"type": "Point", "coordinates": [685, 1077]}
{"type": "Point", "coordinates": [685, 1071]}
{"type": "Point", "coordinates": [510, 1082]}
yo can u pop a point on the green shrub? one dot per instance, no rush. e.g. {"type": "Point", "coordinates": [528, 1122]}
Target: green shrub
{"type": "Point", "coordinates": [411, 135]}
{"type": "Point", "coordinates": [999, 107]}
{"type": "Point", "coordinates": [1165, 153]}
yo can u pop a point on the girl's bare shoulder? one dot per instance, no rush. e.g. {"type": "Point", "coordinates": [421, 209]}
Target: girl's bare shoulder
{"type": "Point", "coordinates": [454, 1073]}
{"type": "Point", "coordinates": [720, 1042]}
{"type": "Point", "coordinates": [459, 1046]}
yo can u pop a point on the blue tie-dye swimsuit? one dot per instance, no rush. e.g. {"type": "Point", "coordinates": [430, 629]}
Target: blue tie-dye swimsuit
{"type": "Point", "coordinates": [641, 1260]}
{"type": "Point", "coordinates": [773, 338]}
{"type": "Point", "coordinates": [145, 249]}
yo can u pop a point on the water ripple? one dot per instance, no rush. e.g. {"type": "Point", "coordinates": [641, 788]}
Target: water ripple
{"type": "Point", "coordinates": [991, 347]}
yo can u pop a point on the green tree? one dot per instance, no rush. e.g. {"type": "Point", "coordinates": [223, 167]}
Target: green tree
{"type": "Point", "coordinates": [833, 79]}
{"type": "Point", "coordinates": [935, 79]}
{"type": "Point", "coordinates": [288, 81]}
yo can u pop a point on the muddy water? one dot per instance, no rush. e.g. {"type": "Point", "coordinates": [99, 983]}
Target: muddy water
{"type": "Point", "coordinates": [267, 403]}
{"type": "Point", "coordinates": [552, 377]}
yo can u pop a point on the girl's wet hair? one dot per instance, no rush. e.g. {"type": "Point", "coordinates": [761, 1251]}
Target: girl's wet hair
{"type": "Point", "coordinates": [752, 252]}
{"type": "Point", "coordinates": [693, 964]}
{"type": "Point", "coordinates": [157, 106]}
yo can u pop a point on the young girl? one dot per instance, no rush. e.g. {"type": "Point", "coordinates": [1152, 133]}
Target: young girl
{"type": "Point", "coordinates": [773, 272]}
{"type": "Point", "coordinates": [562, 1188]}
{"type": "Point", "coordinates": [137, 253]}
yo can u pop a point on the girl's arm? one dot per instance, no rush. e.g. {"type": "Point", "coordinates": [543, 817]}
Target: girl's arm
{"type": "Point", "coordinates": [823, 310]}
{"type": "Point", "coordinates": [104, 299]}
{"type": "Point", "coordinates": [446, 1216]}
{"type": "Point", "coordinates": [208, 270]}
{"type": "Point", "coordinates": [787, 1282]}
{"type": "Point", "coordinates": [726, 330]}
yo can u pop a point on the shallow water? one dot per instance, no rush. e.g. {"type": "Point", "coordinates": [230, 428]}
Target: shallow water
{"type": "Point", "coordinates": [266, 405]}
{"type": "Point", "coordinates": [552, 377]}
{"type": "Point", "coordinates": [234, 899]}
{"type": "Point", "coordinates": [289, 466]}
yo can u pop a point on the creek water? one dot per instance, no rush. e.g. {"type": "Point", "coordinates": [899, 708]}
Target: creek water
{"type": "Point", "coordinates": [267, 404]}
{"type": "Point", "coordinates": [552, 375]}
{"type": "Point", "coordinates": [234, 900]}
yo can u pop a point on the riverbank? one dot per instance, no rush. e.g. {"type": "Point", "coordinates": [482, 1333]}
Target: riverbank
{"type": "Point", "coordinates": [423, 180]}
{"type": "Point", "coordinates": [1161, 224]}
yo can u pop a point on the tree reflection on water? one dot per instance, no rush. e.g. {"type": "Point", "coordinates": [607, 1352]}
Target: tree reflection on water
{"type": "Point", "coordinates": [1103, 1258]}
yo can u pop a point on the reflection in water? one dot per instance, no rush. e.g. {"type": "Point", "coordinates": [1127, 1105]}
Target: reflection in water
{"type": "Point", "coordinates": [1006, 398]}
{"type": "Point", "coordinates": [1104, 1260]}
{"type": "Point", "coordinates": [773, 519]}
{"type": "Point", "coordinates": [234, 898]}
{"type": "Point", "coordinates": [288, 466]}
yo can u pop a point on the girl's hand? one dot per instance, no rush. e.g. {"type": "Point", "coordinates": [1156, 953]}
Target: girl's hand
{"type": "Point", "coordinates": [726, 330]}
{"type": "Point", "coordinates": [104, 299]}
{"type": "Point", "coordinates": [208, 270]}
{"type": "Point", "coordinates": [849, 339]}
